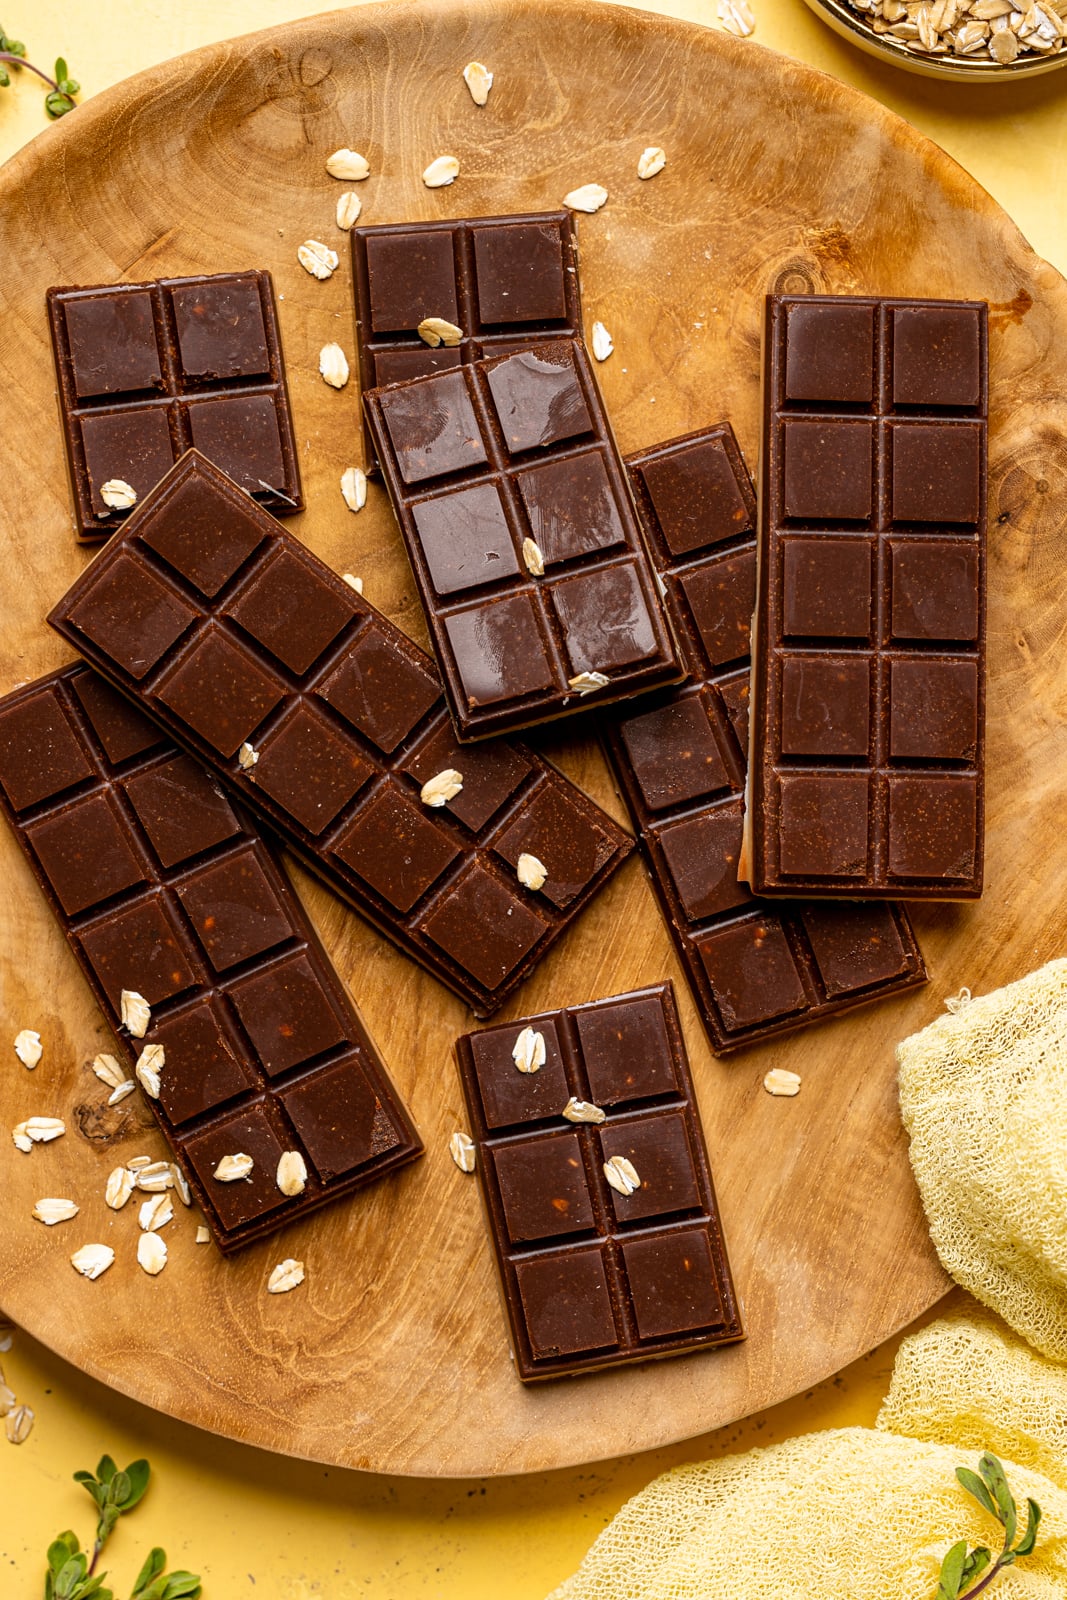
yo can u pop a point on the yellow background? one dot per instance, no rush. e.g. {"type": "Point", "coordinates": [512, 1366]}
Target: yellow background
{"type": "Point", "coordinates": [273, 1529]}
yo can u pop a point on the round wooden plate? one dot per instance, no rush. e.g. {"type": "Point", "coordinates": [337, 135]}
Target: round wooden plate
{"type": "Point", "coordinates": [393, 1356]}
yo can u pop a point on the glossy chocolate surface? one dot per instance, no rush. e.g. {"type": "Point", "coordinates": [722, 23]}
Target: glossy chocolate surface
{"type": "Point", "coordinates": [248, 637]}
{"type": "Point", "coordinates": [869, 676]}
{"type": "Point", "coordinates": [481, 461]}
{"type": "Point", "coordinates": [756, 969]}
{"type": "Point", "coordinates": [503, 281]}
{"type": "Point", "coordinates": [590, 1277]}
{"type": "Point", "coordinates": [147, 370]}
{"type": "Point", "coordinates": [164, 887]}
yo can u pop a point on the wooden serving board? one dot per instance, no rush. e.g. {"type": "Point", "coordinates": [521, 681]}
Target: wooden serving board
{"type": "Point", "coordinates": [392, 1356]}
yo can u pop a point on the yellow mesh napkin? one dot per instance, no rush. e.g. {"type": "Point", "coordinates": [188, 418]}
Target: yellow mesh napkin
{"type": "Point", "coordinates": [983, 1093]}
{"type": "Point", "coordinates": [969, 1382]}
{"type": "Point", "coordinates": [851, 1514]}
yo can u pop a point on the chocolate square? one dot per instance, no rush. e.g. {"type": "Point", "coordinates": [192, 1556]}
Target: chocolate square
{"type": "Point", "coordinates": [824, 824]}
{"type": "Point", "coordinates": [291, 611]}
{"type": "Point", "coordinates": [606, 619]}
{"type": "Point", "coordinates": [180, 809]}
{"type": "Point", "coordinates": [702, 854]}
{"type": "Point", "coordinates": [854, 945]}
{"type": "Point", "coordinates": [188, 532]}
{"type": "Point", "coordinates": [221, 334]}
{"type": "Point", "coordinates": [288, 1014]}
{"type": "Point", "coordinates": [752, 971]}
{"type": "Point", "coordinates": [381, 691]}
{"type": "Point", "coordinates": [830, 353]}
{"type": "Point", "coordinates": [720, 597]}
{"type": "Point", "coordinates": [242, 434]}
{"type": "Point", "coordinates": [672, 1283]}
{"type": "Point", "coordinates": [510, 1097]}
{"type": "Point", "coordinates": [133, 446]}
{"type": "Point", "coordinates": [571, 507]}
{"type": "Point", "coordinates": [201, 1069]}
{"type": "Point", "coordinates": [937, 470]}
{"type": "Point", "coordinates": [937, 356]}
{"type": "Point", "coordinates": [626, 1051]}
{"type": "Point", "coordinates": [131, 615]}
{"type": "Point", "coordinates": [39, 753]}
{"type": "Point", "coordinates": [538, 397]}
{"type": "Point", "coordinates": [234, 909]}
{"type": "Point", "coordinates": [491, 772]}
{"type": "Point", "coordinates": [395, 848]}
{"type": "Point", "coordinates": [932, 823]}
{"type": "Point", "coordinates": [141, 948]}
{"type": "Point", "coordinates": [566, 1303]}
{"type": "Point", "coordinates": [84, 854]}
{"type": "Point", "coordinates": [519, 273]}
{"type": "Point", "coordinates": [249, 1132]}
{"type": "Point", "coordinates": [826, 587]}
{"type": "Point", "coordinates": [499, 651]}
{"type": "Point", "coordinates": [465, 539]}
{"type": "Point", "coordinates": [220, 690]}
{"type": "Point", "coordinates": [335, 1112]}
{"type": "Point", "coordinates": [827, 465]}
{"type": "Point", "coordinates": [696, 497]}
{"type": "Point", "coordinates": [432, 428]}
{"type": "Point", "coordinates": [674, 753]}
{"type": "Point", "coordinates": [933, 709]}
{"type": "Point", "coordinates": [112, 339]}
{"type": "Point", "coordinates": [935, 589]}
{"type": "Point", "coordinates": [566, 839]}
{"type": "Point", "coordinates": [121, 729]}
{"type": "Point", "coordinates": [484, 927]}
{"type": "Point", "coordinates": [658, 1149]}
{"type": "Point", "coordinates": [543, 1187]}
{"type": "Point", "coordinates": [309, 768]}
{"type": "Point", "coordinates": [411, 276]}
{"type": "Point", "coordinates": [826, 705]}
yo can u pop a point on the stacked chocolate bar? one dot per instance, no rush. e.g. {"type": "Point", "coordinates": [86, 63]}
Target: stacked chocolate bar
{"type": "Point", "coordinates": [789, 781]}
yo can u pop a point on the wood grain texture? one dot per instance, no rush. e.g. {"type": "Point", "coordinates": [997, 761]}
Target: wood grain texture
{"type": "Point", "coordinates": [392, 1355]}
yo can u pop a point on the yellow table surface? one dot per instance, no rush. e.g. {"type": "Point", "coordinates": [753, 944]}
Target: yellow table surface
{"type": "Point", "coordinates": [260, 1525]}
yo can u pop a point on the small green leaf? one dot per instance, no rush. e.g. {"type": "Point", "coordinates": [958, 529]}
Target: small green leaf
{"type": "Point", "coordinates": [57, 105]}
{"type": "Point", "coordinates": [1029, 1538]}
{"type": "Point", "coordinates": [105, 1467]}
{"type": "Point", "coordinates": [63, 1546]}
{"type": "Point", "coordinates": [976, 1563]}
{"type": "Point", "coordinates": [137, 1474]}
{"type": "Point", "coordinates": [155, 1561]}
{"type": "Point", "coordinates": [69, 1577]}
{"type": "Point", "coordinates": [993, 1473]}
{"type": "Point", "coordinates": [952, 1571]}
{"type": "Point", "coordinates": [60, 74]}
{"type": "Point", "coordinates": [182, 1586]}
{"type": "Point", "coordinates": [974, 1485]}
{"type": "Point", "coordinates": [118, 1489]}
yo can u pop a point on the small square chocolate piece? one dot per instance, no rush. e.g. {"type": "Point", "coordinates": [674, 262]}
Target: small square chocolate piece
{"type": "Point", "coordinates": [933, 709]}
{"type": "Point", "coordinates": [307, 766]}
{"type": "Point", "coordinates": [571, 507]}
{"type": "Point", "coordinates": [335, 1112]}
{"type": "Point", "coordinates": [825, 705]}
{"type": "Point", "coordinates": [432, 427]}
{"type": "Point", "coordinates": [465, 539]}
{"type": "Point", "coordinates": [826, 587]}
{"type": "Point", "coordinates": [937, 356]}
{"type": "Point", "coordinates": [204, 1072]}
{"type": "Point", "coordinates": [382, 690]}
{"type": "Point", "coordinates": [498, 650]}
{"type": "Point", "coordinates": [824, 824]}
{"type": "Point", "coordinates": [220, 690]}
{"type": "Point", "coordinates": [412, 275]}
{"type": "Point", "coordinates": [538, 397]}
{"type": "Point", "coordinates": [288, 1014]}
{"type": "Point", "coordinates": [39, 754]}
{"type": "Point", "coordinates": [131, 615]}
{"type": "Point", "coordinates": [234, 909]}
{"type": "Point", "coordinates": [484, 927]}
{"type": "Point", "coordinates": [84, 853]}
{"type": "Point", "coordinates": [854, 945]}
{"type": "Point", "coordinates": [250, 1132]}
{"type": "Point", "coordinates": [720, 597]}
{"type": "Point", "coordinates": [932, 824]}
{"type": "Point", "coordinates": [180, 810]}
{"type": "Point", "coordinates": [702, 855]}
{"type": "Point", "coordinates": [830, 352]}
{"type": "Point", "coordinates": [291, 611]}
{"type": "Point", "coordinates": [491, 773]}
{"type": "Point", "coordinates": [606, 619]}
{"type": "Point", "coordinates": [121, 729]}
{"type": "Point", "coordinates": [519, 272]}
{"type": "Point", "coordinates": [242, 434]}
{"type": "Point", "coordinates": [827, 467]}
{"type": "Point", "coordinates": [188, 532]}
{"type": "Point", "coordinates": [221, 333]}
{"type": "Point", "coordinates": [935, 589]}
{"type": "Point", "coordinates": [674, 753]}
{"type": "Point", "coordinates": [696, 496]}
{"type": "Point", "coordinates": [937, 471]}
{"type": "Point", "coordinates": [752, 971]}
{"type": "Point", "coordinates": [593, 1277]}
{"type": "Point", "coordinates": [133, 446]}
{"type": "Point", "coordinates": [567, 840]}
{"type": "Point", "coordinates": [396, 849]}
{"type": "Point", "coordinates": [142, 948]}
{"type": "Point", "coordinates": [112, 343]}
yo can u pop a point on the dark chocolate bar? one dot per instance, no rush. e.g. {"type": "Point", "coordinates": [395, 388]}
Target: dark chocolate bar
{"type": "Point", "coordinates": [330, 723]}
{"type": "Point", "coordinates": [165, 889]}
{"type": "Point", "coordinates": [522, 537]}
{"type": "Point", "coordinates": [500, 281]}
{"type": "Point", "coordinates": [869, 672]}
{"type": "Point", "coordinates": [598, 1273]}
{"type": "Point", "coordinates": [755, 970]}
{"type": "Point", "coordinates": [147, 370]}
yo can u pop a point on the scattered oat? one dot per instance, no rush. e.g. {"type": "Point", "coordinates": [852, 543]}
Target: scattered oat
{"type": "Point", "coordinates": [461, 1149]}
{"type": "Point", "coordinates": [528, 1052]}
{"type": "Point", "coordinates": [533, 559]}
{"type": "Point", "coordinates": [441, 172]}
{"type": "Point", "coordinates": [118, 495]}
{"type": "Point", "coordinates": [119, 1188]}
{"type": "Point", "coordinates": [203, 1235]}
{"type": "Point", "coordinates": [230, 1168]}
{"type": "Point", "coordinates": [441, 788]}
{"type": "Point", "coordinates": [155, 1213]}
{"type": "Point", "coordinates": [247, 757]}
{"type": "Point", "coordinates": [135, 1012]}
{"type": "Point", "coordinates": [152, 1253]}
{"type": "Point", "coordinates": [587, 682]}
{"type": "Point", "coordinates": [354, 490]}
{"type": "Point", "coordinates": [109, 1071]}
{"type": "Point", "coordinates": [150, 1064]}
{"type": "Point", "coordinates": [437, 330]}
{"type": "Point", "coordinates": [348, 164]}
{"type": "Point", "coordinates": [651, 161]}
{"type": "Point", "coordinates": [21, 1140]}
{"type": "Point", "coordinates": [583, 1111]}
{"type": "Point", "coordinates": [52, 1211]}
{"type": "Point", "coordinates": [92, 1259]}
{"type": "Point", "coordinates": [180, 1185]}
{"type": "Point", "coordinates": [17, 1424]}
{"type": "Point", "coordinates": [28, 1047]}
{"type": "Point", "coordinates": [352, 581]}
{"type": "Point", "coordinates": [118, 1094]}
{"type": "Point", "coordinates": [349, 207]}
{"type": "Point", "coordinates": [590, 197]}
{"type": "Point", "coordinates": [531, 872]}
{"type": "Point", "coordinates": [333, 365]}
{"type": "Point", "coordinates": [155, 1177]}
{"type": "Point", "coordinates": [292, 1173]}
{"type": "Point", "coordinates": [602, 342]}
{"type": "Point", "coordinates": [317, 259]}
{"type": "Point", "coordinates": [621, 1174]}
{"type": "Point", "coordinates": [286, 1275]}
{"type": "Point", "coordinates": [736, 17]}
{"type": "Point", "coordinates": [138, 1163]}
{"type": "Point", "coordinates": [780, 1081]}
{"type": "Point", "coordinates": [38, 1130]}
{"type": "Point", "coordinates": [479, 81]}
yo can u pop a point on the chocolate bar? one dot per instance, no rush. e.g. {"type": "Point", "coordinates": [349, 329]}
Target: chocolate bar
{"type": "Point", "coordinates": [869, 672]}
{"type": "Point", "coordinates": [756, 970]}
{"type": "Point", "coordinates": [330, 723]}
{"type": "Point", "coordinates": [597, 1188]}
{"type": "Point", "coordinates": [522, 538]}
{"type": "Point", "coordinates": [166, 889]}
{"type": "Point", "coordinates": [501, 282]}
{"type": "Point", "coordinates": [147, 370]}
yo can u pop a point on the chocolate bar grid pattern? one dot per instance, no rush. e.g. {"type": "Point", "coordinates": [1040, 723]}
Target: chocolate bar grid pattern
{"type": "Point", "coordinates": [503, 281]}
{"type": "Point", "coordinates": [481, 459]}
{"type": "Point", "coordinates": [756, 970]}
{"type": "Point", "coordinates": [594, 1279]}
{"type": "Point", "coordinates": [263, 1049]}
{"type": "Point", "coordinates": [894, 465]}
{"type": "Point", "coordinates": [148, 395]}
{"type": "Point", "coordinates": [204, 591]}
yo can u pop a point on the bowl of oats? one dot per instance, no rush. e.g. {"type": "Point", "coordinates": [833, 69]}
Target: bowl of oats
{"type": "Point", "coordinates": [988, 39]}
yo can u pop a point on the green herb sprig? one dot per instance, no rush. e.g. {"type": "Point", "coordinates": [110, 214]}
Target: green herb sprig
{"type": "Point", "coordinates": [61, 89]}
{"type": "Point", "coordinates": [961, 1566]}
{"type": "Point", "coordinates": [71, 1573]}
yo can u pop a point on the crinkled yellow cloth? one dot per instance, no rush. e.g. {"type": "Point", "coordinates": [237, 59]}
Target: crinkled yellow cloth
{"type": "Point", "coordinates": [983, 1093]}
{"type": "Point", "coordinates": [865, 1514]}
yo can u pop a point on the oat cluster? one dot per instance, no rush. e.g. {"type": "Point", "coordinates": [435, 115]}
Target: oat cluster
{"type": "Point", "coordinates": [983, 29]}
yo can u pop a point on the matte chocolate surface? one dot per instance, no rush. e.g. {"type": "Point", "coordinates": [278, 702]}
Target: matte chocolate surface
{"type": "Point", "coordinates": [228, 630]}
{"type": "Point", "coordinates": [869, 674]}
{"type": "Point", "coordinates": [592, 1277]}
{"type": "Point", "coordinates": [503, 281]}
{"type": "Point", "coordinates": [481, 463]}
{"type": "Point", "coordinates": [756, 970]}
{"type": "Point", "coordinates": [164, 887]}
{"type": "Point", "coordinates": [147, 370]}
